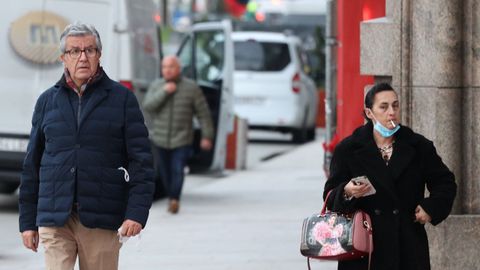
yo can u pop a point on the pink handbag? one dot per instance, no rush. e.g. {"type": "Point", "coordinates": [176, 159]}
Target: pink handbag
{"type": "Point", "coordinates": [336, 236]}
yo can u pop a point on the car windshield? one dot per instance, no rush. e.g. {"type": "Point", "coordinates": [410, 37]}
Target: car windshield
{"type": "Point", "coordinates": [252, 55]}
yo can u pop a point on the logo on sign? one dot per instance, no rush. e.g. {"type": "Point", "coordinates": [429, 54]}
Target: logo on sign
{"type": "Point", "coordinates": [36, 36]}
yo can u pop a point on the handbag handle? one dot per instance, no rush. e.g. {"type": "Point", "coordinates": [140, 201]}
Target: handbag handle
{"type": "Point", "coordinates": [325, 203]}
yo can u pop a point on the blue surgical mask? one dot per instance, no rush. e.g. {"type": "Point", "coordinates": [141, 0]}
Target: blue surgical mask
{"type": "Point", "coordinates": [384, 132]}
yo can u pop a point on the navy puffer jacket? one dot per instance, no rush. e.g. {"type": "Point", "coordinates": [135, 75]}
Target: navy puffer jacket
{"type": "Point", "coordinates": [61, 154]}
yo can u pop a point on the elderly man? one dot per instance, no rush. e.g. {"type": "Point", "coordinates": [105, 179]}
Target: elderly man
{"type": "Point", "coordinates": [172, 102]}
{"type": "Point", "coordinates": [87, 176]}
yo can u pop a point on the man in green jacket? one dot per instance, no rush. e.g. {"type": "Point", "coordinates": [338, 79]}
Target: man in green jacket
{"type": "Point", "coordinates": [172, 101]}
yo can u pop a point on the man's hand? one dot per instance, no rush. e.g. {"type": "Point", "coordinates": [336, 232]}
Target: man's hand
{"type": "Point", "coordinates": [30, 240]}
{"type": "Point", "coordinates": [170, 87]}
{"type": "Point", "coordinates": [421, 216]}
{"type": "Point", "coordinates": [206, 144]}
{"type": "Point", "coordinates": [130, 228]}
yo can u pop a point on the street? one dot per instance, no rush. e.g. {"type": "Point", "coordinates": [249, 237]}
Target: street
{"type": "Point", "coordinates": [245, 220]}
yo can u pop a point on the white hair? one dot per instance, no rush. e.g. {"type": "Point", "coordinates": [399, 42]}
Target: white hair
{"type": "Point", "coordinates": [80, 29]}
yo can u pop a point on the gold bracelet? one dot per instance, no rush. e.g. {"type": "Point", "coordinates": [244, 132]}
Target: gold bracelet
{"type": "Point", "coordinates": [346, 197]}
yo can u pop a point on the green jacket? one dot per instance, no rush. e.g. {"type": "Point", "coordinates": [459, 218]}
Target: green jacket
{"type": "Point", "coordinates": [172, 114]}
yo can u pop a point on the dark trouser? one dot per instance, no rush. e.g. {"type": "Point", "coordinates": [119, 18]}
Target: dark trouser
{"type": "Point", "coordinates": [171, 164]}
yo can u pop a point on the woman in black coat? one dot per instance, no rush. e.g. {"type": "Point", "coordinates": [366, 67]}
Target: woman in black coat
{"type": "Point", "coordinates": [399, 164]}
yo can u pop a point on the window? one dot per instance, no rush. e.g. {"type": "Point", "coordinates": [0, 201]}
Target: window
{"type": "Point", "coordinates": [209, 55]}
{"type": "Point", "coordinates": [261, 56]}
{"type": "Point", "coordinates": [206, 49]}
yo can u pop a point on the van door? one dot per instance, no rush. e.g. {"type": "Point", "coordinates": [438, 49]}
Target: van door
{"type": "Point", "coordinates": [207, 57]}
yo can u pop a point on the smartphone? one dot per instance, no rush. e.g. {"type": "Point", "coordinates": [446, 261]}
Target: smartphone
{"type": "Point", "coordinates": [363, 180]}
{"type": "Point", "coordinates": [360, 180]}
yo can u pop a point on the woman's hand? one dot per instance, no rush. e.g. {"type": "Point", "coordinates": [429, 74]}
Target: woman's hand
{"type": "Point", "coordinates": [357, 189]}
{"type": "Point", "coordinates": [421, 216]}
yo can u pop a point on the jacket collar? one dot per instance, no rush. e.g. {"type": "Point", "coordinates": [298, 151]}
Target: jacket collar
{"type": "Point", "coordinates": [367, 154]}
{"type": "Point", "coordinates": [102, 86]}
{"type": "Point", "coordinates": [67, 82]}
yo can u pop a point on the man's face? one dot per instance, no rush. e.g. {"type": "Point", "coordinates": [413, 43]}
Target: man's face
{"type": "Point", "coordinates": [170, 68]}
{"type": "Point", "coordinates": [84, 66]}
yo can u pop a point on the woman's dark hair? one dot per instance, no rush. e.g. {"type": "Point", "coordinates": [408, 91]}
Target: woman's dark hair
{"type": "Point", "coordinates": [370, 96]}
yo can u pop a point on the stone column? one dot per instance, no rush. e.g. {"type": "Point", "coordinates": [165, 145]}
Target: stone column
{"type": "Point", "coordinates": [436, 74]}
{"type": "Point", "coordinates": [471, 109]}
{"type": "Point", "coordinates": [430, 52]}
{"type": "Point", "coordinates": [420, 46]}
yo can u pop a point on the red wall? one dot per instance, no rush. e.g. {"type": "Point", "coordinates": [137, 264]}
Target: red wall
{"type": "Point", "coordinates": [349, 82]}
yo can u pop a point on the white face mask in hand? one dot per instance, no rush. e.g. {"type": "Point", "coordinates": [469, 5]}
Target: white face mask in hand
{"type": "Point", "coordinates": [136, 239]}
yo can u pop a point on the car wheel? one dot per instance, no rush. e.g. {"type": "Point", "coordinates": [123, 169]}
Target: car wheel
{"type": "Point", "coordinates": [299, 135]}
{"type": "Point", "coordinates": [311, 134]}
{"type": "Point", "coordinates": [7, 188]}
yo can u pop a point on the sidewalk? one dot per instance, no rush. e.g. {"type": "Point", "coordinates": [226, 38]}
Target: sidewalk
{"type": "Point", "coordinates": [250, 220]}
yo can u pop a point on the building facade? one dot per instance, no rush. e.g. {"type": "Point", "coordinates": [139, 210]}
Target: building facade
{"type": "Point", "coordinates": [430, 52]}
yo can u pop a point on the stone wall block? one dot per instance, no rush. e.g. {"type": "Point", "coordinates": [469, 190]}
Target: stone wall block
{"type": "Point", "coordinates": [472, 42]}
{"type": "Point", "coordinates": [451, 245]}
{"type": "Point", "coordinates": [394, 10]}
{"type": "Point", "coordinates": [437, 48]}
{"type": "Point", "coordinates": [377, 49]}
{"type": "Point", "coordinates": [436, 115]}
{"type": "Point", "coordinates": [470, 189]}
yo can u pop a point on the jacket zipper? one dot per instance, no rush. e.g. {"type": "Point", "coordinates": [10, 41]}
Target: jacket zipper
{"type": "Point", "coordinates": [170, 120]}
{"type": "Point", "coordinates": [79, 111]}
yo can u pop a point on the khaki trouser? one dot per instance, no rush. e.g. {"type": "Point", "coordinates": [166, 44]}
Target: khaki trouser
{"type": "Point", "coordinates": [97, 249]}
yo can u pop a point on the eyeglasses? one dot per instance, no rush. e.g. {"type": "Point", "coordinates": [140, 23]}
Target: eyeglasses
{"type": "Point", "coordinates": [76, 52]}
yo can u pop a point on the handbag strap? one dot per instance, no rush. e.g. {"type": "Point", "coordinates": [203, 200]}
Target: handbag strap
{"type": "Point", "coordinates": [325, 203]}
{"type": "Point", "coordinates": [370, 251]}
{"type": "Point", "coordinates": [324, 207]}
{"type": "Point", "coordinates": [370, 238]}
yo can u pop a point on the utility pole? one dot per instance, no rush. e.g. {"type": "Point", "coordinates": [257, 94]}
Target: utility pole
{"type": "Point", "coordinates": [193, 10]}
{"type": "Point", "coordinates": [330, 78]}
{"type": "Point", "coordinates": [164, 12]}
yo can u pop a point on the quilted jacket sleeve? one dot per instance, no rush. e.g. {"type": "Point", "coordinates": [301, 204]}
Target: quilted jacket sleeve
{"type": "Point", "coordinates": [28, 196]}
{"type": "Point", "coordinates": [156, 97]}
{"type": "Point", "coordinates": [140, 168]}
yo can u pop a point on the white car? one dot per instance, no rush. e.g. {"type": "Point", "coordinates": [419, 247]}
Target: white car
{"type": "Point", "coordinates": [270, 88]}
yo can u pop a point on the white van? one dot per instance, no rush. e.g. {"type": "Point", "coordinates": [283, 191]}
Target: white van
{"type": "Point", "coordinates": [271, 89]}
{"type": "Point", "coordinates": [30, 33]}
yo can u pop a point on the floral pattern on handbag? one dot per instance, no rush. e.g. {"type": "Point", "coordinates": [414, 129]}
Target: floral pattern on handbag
{"type": "Point", "coordinates": [328, 232]}
{"type": "Point", "coordinates": [335, 236]}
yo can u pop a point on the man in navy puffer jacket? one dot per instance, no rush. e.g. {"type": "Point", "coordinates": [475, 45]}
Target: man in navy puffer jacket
{"type": "Point", "coordinates": [88, 169]}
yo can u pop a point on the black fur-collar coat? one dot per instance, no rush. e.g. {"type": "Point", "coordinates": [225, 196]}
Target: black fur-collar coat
{"type": "Point", "coordinates": [399, 242]}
